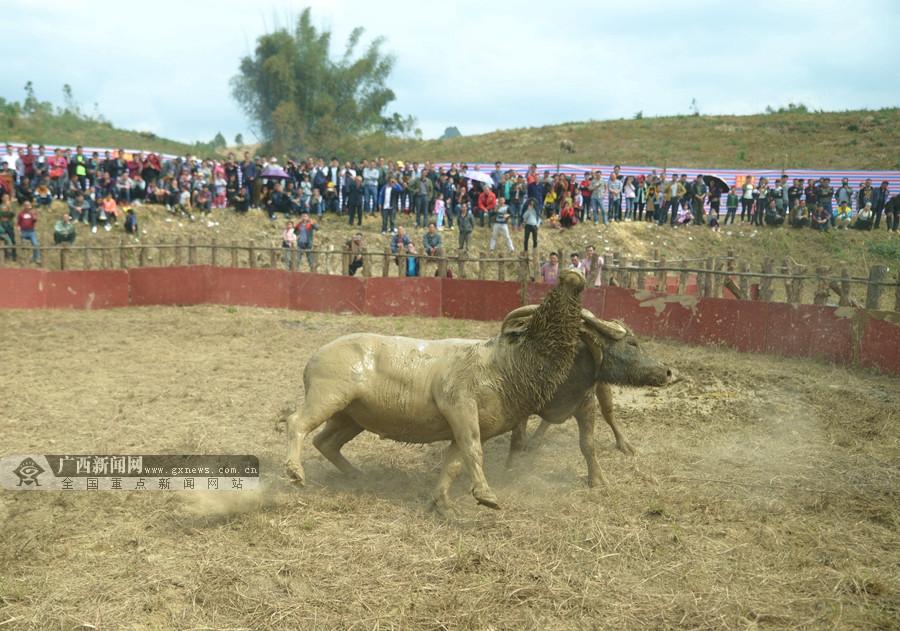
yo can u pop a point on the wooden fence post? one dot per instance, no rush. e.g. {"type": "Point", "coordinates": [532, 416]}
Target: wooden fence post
{"type": "Point", "coordinates": [662, 276]}
{"type": "Point", "coordinates": [122, 262]}
{"type": "Point", "coordinates": [461, 256]}
{"type": "Point", "coordinates": [591, 279]}
{"type": "Point", "coordinates": [214, 254]}
{"type": "Point", "coordinates": [730, 261]}
{"type": "Point", "coordinates": [442, 265]}
{"type": "Point", "coordinates": [401, 258]}
{"type": "Point", "coordinates": [821, 295]}
{"type": "Point", "coordinates": [234, 253]}
{"type": "Point", "coordinates": [482, 266]}
{"type": "Point", "coordinates": [786, 271]}
{"type": "Point", "coordinates": [345, 261]}
{"type": "Point", "coordinates": [682, 278]}
{"type": "Point", "coordinates": [87, 257]}
{"type": "Point", "coordinates": [177, 253]}
{"type": "Point", "coordinates": [897, 293]}
{"type": "Point", "coordinates": [845, 288]}
{"type": "Point", "coordinates": [501, 269]}
{"type": "Point", "coordinates": [744, 281]}
{"type": "Point", "coordinates": [273, 257]}
{"type": "Point", "coordinates": [192, 251]}
{"type": "Point", "coordinates": [797, 284]}
{"type": "Point", "coordinates": [708, 278]}
{"type": "Point", "coordinates": [765, 283]}
{"type": "Point", "coordinates": [639, 274]}
{"type": "Point", "coordinates": [315, 262]}
{"type": "Point", "coordinates": [386, 263]}
{"type": "Point", "coordinates": [251, 250]}
{"type": "Point", "coordinates": [873, 291]}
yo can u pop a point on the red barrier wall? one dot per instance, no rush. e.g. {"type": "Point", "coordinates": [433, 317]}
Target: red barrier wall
{"type": "Point", "coordinates": [840, 335]}
{"type": "Point", "coordinates": [478, 299]}
{"type": "Point", "coordinates": [22, 289]}
{"type": "Point", "coordinates": [180, 286]}
{"type": "Point", "coordinates": [331, 294]}
{"type": "Point", "coordinates": [403, 296]}
{"type": "Point", "coordinates": [89, 289]}
{"type": "Point", "coordinates": [248, 287]}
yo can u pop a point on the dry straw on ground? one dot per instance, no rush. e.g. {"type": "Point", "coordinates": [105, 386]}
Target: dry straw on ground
{"type": "Point", "coordinates": [764, 495]}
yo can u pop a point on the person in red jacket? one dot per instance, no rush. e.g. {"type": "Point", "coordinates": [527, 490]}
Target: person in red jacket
{"type": "Point", "coordinates": [487, 204]}
{"type": "Point", "coordinates": [27, 220]}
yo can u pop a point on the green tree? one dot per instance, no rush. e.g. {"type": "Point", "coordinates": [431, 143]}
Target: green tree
{"type": "Point", "coordinates": [298, 97]}
{"type": "Point", "coordinates": [31, 104]}
{"type": "Point", "coordinates": [239, 140]}
{"type": "Point", "coordinates": [219, 140]}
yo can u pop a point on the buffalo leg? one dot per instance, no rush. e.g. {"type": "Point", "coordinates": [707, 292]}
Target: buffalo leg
{"type": "Point", "coordinates": [537, 439]}
{"type": "Point", "coordinates": [585, 415]}
{"type": "Point", "coordinates": [517, 443]}
{"type": "Point", "coordinates": [451, 467]}
{"type": "Point", "coordinates": [314, 411]}
{"type": "Point", "coordinates": [462, 416]}
{"type": "Point", "coordinates": [338, 431]}
{"type": "Point", "coordinates": [604, 396]}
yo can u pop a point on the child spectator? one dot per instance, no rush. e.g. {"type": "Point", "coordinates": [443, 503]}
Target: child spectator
{"type": "Point", "coordinates": [440, 207]}
{"type": "Point", "coordinates": [843, 215]}
{"type": "Point", "coordinates": [412, 261]}
{"type": "Point", "coordinates": [289, 243]}
{"type": "Point", "coordinates": [731, 204]}
{"type": "Point", "coordinates": [131, 224]}
{"type": "Point", "coordinates": [306, 231]}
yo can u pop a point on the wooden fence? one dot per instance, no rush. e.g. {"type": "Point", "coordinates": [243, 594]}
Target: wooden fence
{"type": "Point", "coordinates": [712, 277]}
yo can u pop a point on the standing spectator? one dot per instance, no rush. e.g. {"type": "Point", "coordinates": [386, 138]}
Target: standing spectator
{"type": "Point", "coordinates": [575, 262]}
{"type": "Point", "coordinates": [27, 220]}
{"type": "Point", "coordinates": [487, 204]}
{"type": "Point", "coordinates": [629, 193]}
{"type": "Point", "coordinates": [715, 198]}
{"type": "Point", "coordinates": [388, 199]}
{"type": "Point", "coordinates": [826, 196]}
{"type": "Point", "coordinates": [59, 168]}
{"type": "Point", "coordinates": [880, 197]}
{"type": "Point", "coordinates": [501, 227]}
{"type": "Point", "coordinates": [356, 249]}
{"type": "Point", "coordinates": [615, 198]}
{"type": "Point", "coordinates": [424, 191]}
{"type": "Point", "coordinates": [760, 195]}
{"type": "Point", "coordinates": [288, 244]}
{"type": "Point", "coordinates": [699, 191]}
{"type": "Point", "coordinates": [747, 200]}
{"type": "Point", "coordinates": [64, 231]}
{"type": "Point", "coordinates": [355, 199]}
{"type": "Point", "coordinates": [7, 228]}
{"type": "Point", "coordinates": [794, 193]}
{"type": "Point", "coordinates": [550, 270]}
{"type": "Point", "coordinates": [370, 174]}
{"type": "Point", "coordinates": [306, 231]}
{"type": "Point", "coordinates": [892, 213]}
{"type": "Point", "coordinates": [440, 209]}
{"type": "Point", "coordinates": [466, 225]}
{"type": "Point", "coordinates": [845, 193]}
{"type": "Point", "coordinates": [640, 198]}
{"type": "Point", "coordinates": [532, 221]}
{"type": "Point", "coordinates": [731, 204]}
{"type": "Point", "coordinates": [588, 264]}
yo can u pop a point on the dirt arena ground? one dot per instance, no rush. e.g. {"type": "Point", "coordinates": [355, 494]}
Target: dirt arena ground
{"type": "Point", "coordinates": [765, 494]}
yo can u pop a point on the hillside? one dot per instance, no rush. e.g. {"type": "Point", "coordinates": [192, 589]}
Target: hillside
{"type": "Point", "coordinates": [827, 140]}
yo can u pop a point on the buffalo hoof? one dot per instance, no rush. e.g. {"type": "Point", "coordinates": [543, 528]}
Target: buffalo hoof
{"type": "Point", "coordinates": [295, 473]}
{"type": "Point", "coordinates": [443, 509]}
{"type": "Point", "coordinates": [487, 499]}
{"type": "Point", "coordinates": [625, 447]}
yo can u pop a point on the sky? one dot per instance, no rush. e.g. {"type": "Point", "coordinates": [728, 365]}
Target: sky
{"type": "Point", "coordinates": [165, 66]}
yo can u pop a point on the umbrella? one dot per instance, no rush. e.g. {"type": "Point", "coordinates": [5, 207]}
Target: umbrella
{"type": "Point", "coordinates": [719, 182]}
{"type": "Point", "coordinates": [274, 172]}
{"type": "Point", "coordinates": [479, 176]}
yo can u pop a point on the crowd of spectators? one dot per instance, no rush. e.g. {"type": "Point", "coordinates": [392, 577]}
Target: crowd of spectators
{"type": "Point", "coordinates": [98, 190]}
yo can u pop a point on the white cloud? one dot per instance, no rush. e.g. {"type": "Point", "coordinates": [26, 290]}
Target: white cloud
{"type": "Point", "coordinates": [165, 67]}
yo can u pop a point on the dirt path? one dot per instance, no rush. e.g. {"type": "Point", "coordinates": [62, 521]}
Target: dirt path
{"type": "Point", "coordinates": [764, 494]}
